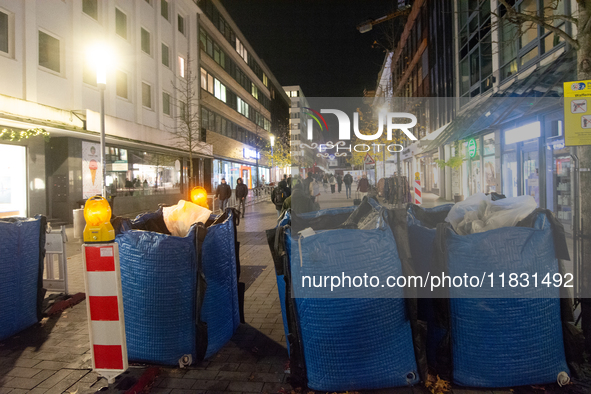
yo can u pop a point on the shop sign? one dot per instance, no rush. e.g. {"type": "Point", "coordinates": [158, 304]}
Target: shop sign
{"type": "Point", "coordinates": [251, 154]}
{"type": "Point", "coordinates": [472, 147]}
{"type": "Point", "coordinates": [119, 165]}
{"type": "Point", "coordinates": [577, 113]}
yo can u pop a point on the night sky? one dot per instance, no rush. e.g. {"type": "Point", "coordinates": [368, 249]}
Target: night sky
{"type": "Point", "coordinates": [315, 43]}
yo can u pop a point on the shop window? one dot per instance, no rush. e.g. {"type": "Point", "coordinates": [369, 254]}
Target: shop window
{"type": "Point", "coordinates": [146, 95]}
{"type": "Point", "coordinates": [165, 55]}
{"type": "Point", "coordinates": [49, 52]}
{"type": "Point", "coordinates": [145, 38]}
{"type": "Point", "coordinates": [121, 84]}
{"type": "Point", "coordinates": [90, 8]}
{"type": "Point", "coordinates": [120, 23]}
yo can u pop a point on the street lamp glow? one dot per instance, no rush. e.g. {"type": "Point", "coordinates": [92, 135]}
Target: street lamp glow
{"type": "Point", "coordinates": [272, 140]}
{"type": "Point", "coordinates": [100, 56]}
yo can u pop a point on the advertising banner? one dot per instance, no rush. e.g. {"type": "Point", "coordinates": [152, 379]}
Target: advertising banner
{"type": "Point", "coordinates": [577, 113]}
{"type": "Point", "coordinates": [92, 180]}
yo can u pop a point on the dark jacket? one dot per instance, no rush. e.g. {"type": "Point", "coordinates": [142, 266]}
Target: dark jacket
{"type": "Point", "coordinates": [348, 179]}
{"type": "Point", "coordinates": [339, 179]}
{"type": "Point", "coordinates": [274, 194]}
{"type": "Point", "coordinates": [363, 185]}
{"type": "Point", "coordinates": [241, 190]}
{"type": "Point", "coordinates": [223, 191]}
{"type": "Point", "coordinates": [299, 201]}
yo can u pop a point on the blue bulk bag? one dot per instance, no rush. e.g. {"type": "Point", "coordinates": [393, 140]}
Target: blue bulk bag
{"type": "Point", "coordinates": [353, 343]}
{"type": "Point", "coordinates": [510, 341]}
{"type": "Point", "coordinates": [220, 309]}
{"type": "Point", "coordinates": [159, 284]}
{"type": "Point", "coordinates": [22, 250]}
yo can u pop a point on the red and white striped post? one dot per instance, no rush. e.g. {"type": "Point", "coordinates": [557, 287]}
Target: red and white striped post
{"type": "Point", "coordinates": [418, 196]}
{"type": "Point", "coordinates": [104, 306]}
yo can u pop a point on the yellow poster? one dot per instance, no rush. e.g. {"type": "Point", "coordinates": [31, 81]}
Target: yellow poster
{"type": "Point", "coordinates": [577, 113]}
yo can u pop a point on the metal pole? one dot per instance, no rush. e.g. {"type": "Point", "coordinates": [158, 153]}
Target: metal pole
{"type": "Point", "coordinates": [576, 221]}
{"type": "Point", "coordinates": [103, 161]}
{"type": "Point", "coordinates": [384, 161]}
{"type": "Point", "coordinates": [272, 165]}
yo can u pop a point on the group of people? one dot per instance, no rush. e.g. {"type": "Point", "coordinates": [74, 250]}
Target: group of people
{"type": "Point", "coordinates": [224, 192]}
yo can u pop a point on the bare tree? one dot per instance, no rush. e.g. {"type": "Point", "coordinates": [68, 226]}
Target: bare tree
{"type": "Point", "coordinates": [186, 132]}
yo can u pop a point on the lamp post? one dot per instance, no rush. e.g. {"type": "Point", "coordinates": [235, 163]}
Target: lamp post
{"type": "Point", "coordinates": [272, 157]}
{"type": "Point", "coordinates": [100, 56]}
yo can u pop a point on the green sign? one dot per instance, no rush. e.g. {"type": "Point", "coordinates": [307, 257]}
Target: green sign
{"type": "Point", "coordinates": [472, 147]}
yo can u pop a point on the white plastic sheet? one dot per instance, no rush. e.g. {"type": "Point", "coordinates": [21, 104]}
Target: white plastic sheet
{"type": "Point", "coordinates": [479, 213]}
{"type": "Point", "coordinates": [179, 218]}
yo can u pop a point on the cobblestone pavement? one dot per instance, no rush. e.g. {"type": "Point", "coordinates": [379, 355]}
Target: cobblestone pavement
{"type": "Point", "coordinates": [54, 356]}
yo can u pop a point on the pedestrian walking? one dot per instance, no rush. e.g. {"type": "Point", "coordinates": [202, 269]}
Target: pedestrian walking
{"type": "Point", "coordinates": [279, 195]}
{"type": "Point", "coordinates": [325, 183]}
{"type": "Point", "coordinates": [363, 186]}
{"type": "Point", "coordinates": [241, 195]}
{"type": "Point", "coordinates": [348, 180]}
{"type": "Point", "coordinates": [223, 192]}
{"type": "Point", "coordinates": [299, 201]}
{"type": "Point", "coordinates": [339, 182]}
{"type": "Point", "coordinates": [332, 181]}
{"type": "Point", "coordinates": [289, 182]}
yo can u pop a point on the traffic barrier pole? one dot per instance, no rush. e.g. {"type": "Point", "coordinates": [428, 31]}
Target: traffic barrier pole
{"type": "Point", "coordinates": [418, 190]}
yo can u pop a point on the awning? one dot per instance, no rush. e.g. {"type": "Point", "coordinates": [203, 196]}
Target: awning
{"type": "Point", "coordinates": [539, 91]}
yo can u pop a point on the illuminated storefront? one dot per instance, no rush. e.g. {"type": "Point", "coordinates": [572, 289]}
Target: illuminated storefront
{"type": "Point", "coordinates": [13, 180]}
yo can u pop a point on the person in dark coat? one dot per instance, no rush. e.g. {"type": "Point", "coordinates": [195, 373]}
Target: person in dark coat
{"type": "Point", "coordinates": [348, 180]}
{"type": "Point", "coordinates": [339, 182]}
{"type": "Point", "coordinates": [299, 201]}
{"type": "Point", "coordinates": [223, 192]}
{"type": "Point", "coordinates": [363, 186]}
{"type": "Point", "coordinates": [279, 195]}
{"type": "Point", "coordinates": [241, 194]}
{"type": "Point", "coordinates": [289, 182]}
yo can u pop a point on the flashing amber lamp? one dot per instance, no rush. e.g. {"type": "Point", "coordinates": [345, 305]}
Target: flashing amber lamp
{"type": "Point", "coordinates": [199, 197]}
{"type": "Point", "coordinates": [97, 214]}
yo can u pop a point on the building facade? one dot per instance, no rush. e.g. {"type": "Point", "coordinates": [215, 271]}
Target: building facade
{"type": "Point", "coordinates": [503, 128]}
{"type": "Point", "coordinates": [168, 60]}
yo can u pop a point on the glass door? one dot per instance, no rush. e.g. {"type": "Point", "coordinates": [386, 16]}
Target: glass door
{"type": "Point", "coordinates": [510, 174]}
{"type": "Point", "coordinates": [531, 173]}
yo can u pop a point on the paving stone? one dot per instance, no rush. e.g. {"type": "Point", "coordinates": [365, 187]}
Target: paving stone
{"type": "Point", "coordinates": [177, 383]}
{"type": "Point", "coordinates": [55, 378]}
{"type": "Point", "coordinates": [21, 372]}
{"type": "Point", "coordinates": [233, 376]}
{"type": "Point", "coordinates": [55, 365]}
{"type": "Point", "coordinates": [254, 387]}
{"type": "Point", "coordinates": [274, 387]}
{"type": "Point", "coordinates": [206, 374]}
{"type": "Point", "coordinates": [207, 385]}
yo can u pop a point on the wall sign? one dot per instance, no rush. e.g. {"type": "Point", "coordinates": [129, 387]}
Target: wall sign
{"type": "Point", "coordinates": [472, 147]}
{"type": "Point", "coordinates": [577, 113]}
{"type": "Point", "coordinates": [251, 154]}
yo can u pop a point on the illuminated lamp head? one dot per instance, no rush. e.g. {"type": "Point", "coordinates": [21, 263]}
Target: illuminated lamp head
{"type": "Point", "coordinates": [97, 214]}
{"type": "Point", "coordinates": [199, 197]}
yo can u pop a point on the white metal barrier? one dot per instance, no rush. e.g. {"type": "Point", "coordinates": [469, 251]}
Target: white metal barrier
{"type": "Point", "coordinates": [55, 255]}
{"type": "Point", "coordinates": [256, 195]}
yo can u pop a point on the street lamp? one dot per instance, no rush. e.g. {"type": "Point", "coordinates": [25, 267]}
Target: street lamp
{"type": "Point", "coordinates": [272, 157]}
{"type": "Point", "coordinates": [100, 56]}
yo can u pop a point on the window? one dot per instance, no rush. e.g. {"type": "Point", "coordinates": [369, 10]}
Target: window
{"type": "Point", "coordinates": [219, 90]}
{"type": "Point", "coordinates": [166, 103]}
{"type": "Point", "coordinates": [182, 66]}
{"type": "Point", "coordinates": [122, 84]}
{"type": "Point", "coordinates": [210, 83]}
{"type": "Point", "coordinates": [120, 23]}
{"type": "Point", "coordinates": [265, 80]}
{"type": "Point", "coordinates": [146, 95]}
{"type": "Point", "coordinates": [181, 24]}
{"type": "Point", "coordinates": [241, 50]}
{"type": "Point", "coordinates": [90, 8]}
{"type": "Point", "coordinates": [4, 30]}
{"type": "Point", "coordinates": [164, 9]}
{"type": "Point", "coordinates": [183, 110]}
{"type": "Point", "coordinates": [165, 59]}
{"type": "Point", "coordinates": [254, 90]}
{"type": "Point", "coordinates": [145, 41]}
{"type": "Point", "coordinates": [49, 52]}
{"type": "Point", "coordinates": [203, 79]}
{"type": "Point", "coordinates": [89, 73]}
